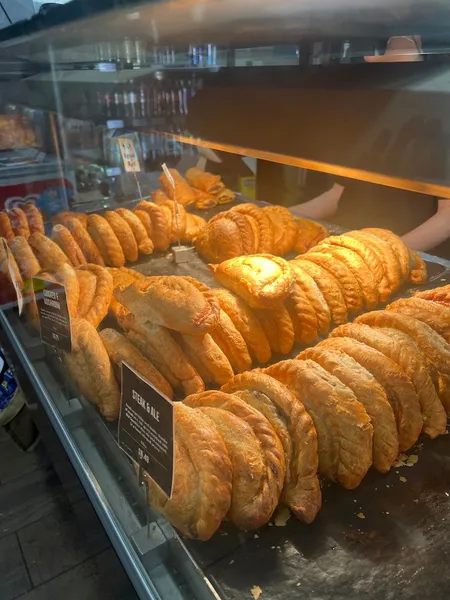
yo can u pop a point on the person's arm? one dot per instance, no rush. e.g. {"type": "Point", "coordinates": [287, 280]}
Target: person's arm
{"type": "Point", "coordinates": [433, 231]}
{"type": "Point", "coordinates": [321, 207]}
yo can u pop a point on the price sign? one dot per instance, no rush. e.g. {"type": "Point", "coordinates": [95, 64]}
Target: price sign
{"type": "Point", "coordinates": [13, 276]}
{"type": "Point", "coordinates": [146, 428]}
{"type": "Point", "coordinates": [129, 156]}
{"type": "Point", "coordinates": [53, 312]}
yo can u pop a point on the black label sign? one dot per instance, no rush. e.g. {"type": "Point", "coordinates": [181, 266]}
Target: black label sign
{"type": "Point", "coordinates": [146, 428]}
{"type": "Point", "coordinates": [53, 313]}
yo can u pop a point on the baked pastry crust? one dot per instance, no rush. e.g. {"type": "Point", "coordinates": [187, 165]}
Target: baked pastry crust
{"type": "Point", "coordinates": [120, 349]}
{"type": "Point", "coordinates": [232, 344]}
{"type": "Point", "coordinates": [124, 234]}
{"type": "Point", "coordinates": [161, 233]}
{"type": "Point", "coordinates": [433, 414]}
{"type": "Point", "coordinates": [98, 310]}
{"type": "Point", "coordinates": [225, 196]}
{"type": "Point", "coordinates": [440, 294]}
{"type": "Point", "coordinates": [183, 191]}
{"type": "Point", "coordinates": [144, 243]}
{"type": "Point", "coordinates": [179, 303]}
{"type": "Point", "coordinates": [172, 219]}
{"type": "Point", "coordinates": [369, 257]}
{"type": "Point", "coordinates": [19, 222]}
{"type": "Point", "coordinates": [309, 233]}
{"type": "Point", "coordinates": [399, 248]}
{"type": "Point", "coordinates": [65, 240]}
{"type": "Point", "coordinates": [90, 368]}
{"type": "Point", "coordinates": [202, 478]}
{"type": "Point", "coordinates": [369, 393]}
{"type": "Point", "coordinates": [256, 454]}
{"type": "Point", "coordinates": [262, 280]}
{"type": "Point", "coordinates": [66, 275]}
{"type": "Point", "coordinates": [159, 197]}
{"type": "Point", "coordinates": [399, 389]}
{"type": "Point", "coordinates": [64, 217]}
{"type": "Point", "coordinates": [84, 240]}
{"type": "Point", "coordinates": [418, 272]}
{"type": "Point", "coordinates": [330, 288]}
{"type": "Point", "coordinates": [225, 236]}
{"type": "Point", "coordinates": [106, 241]}
{"type": "Point", "coordinates": [366, 282]}
{"type": "Point", "coordinates": [436, 315]}
{"type": "Point", "coordinates": [149, 352]}
{"type": "Point", "coordinates": [87, 281]}
{"type": "Point", "coordinates": [6, 230]}
{"type": "Point", "coordinates": [279, 329]}
{"type": "Point", "coordinates": [246, 322]}
{"type": "Point", "coordinates": [343, 427]}
{"type": "Point", "coordinates": [340, 272]}
{"type": "Point", "coordinates": [285, 229]}
{"type": "Point", "coordinates": [203, 200]}
{"type": "Point", "coordinates": [207, 358]}
{"type": "Point", "coordinates": [194, 224]}
{"type": "Point", "coordinates": [303, 315]}
{"type": "Point", "coordinates": [266, 237]}
{"type": "Point", "coordinates": [5, 277]}
{"type": "Point", "coordinates": [26, 261]}
{"type": "Point", "coordinates": [121, 278]}
{"type": "Point", "coordinates": [296, 431]}
{"type": "Point", "coordinates": [46, 251]}
{"type": "Point", "coordinates": [34, 218]}
{"type": "Point", "coordinates": [315, 296]}
{"type": "Point", "coordinates": [204, 181]}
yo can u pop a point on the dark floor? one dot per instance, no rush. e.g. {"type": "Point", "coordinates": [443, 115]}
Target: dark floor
{"type": "Point", "coordinates": [49, 547]}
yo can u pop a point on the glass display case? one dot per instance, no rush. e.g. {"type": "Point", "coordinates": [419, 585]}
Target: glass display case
{"type": "Point", "coordinates": [256, 109]}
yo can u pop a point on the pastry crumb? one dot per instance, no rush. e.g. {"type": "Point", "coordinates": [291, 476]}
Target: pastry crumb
{"type": "Point", "coordinates": [298, 584]}
{"type": "Point", "coordinates": [282, 516]}
{"type": "Point", "coordinates": [361, 515]}
{"type": "Point", "coordinates": [402, 479]}
{"type": "Point", "coordinates": [231, 561]}
{"type": "Point", "coordinates": [256, 592]}
{"type": "Point", "coordinates": [412, 460]}
{"type": "Point", "coordinates": [447, 494]}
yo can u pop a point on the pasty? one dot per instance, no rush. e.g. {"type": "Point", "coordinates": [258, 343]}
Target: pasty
{"type": "Point", "coordinates": [98, 310]}
{"type": "Point", "coordinates": [309, 233]}
{"type": "Point", "coordinates": [206, 182]}
{"type": "Point", "coordinates": [436, 315]}
{"type": "Point", "coordinates": [225, 236]}
{"type": "Point", "coordinates": [194, 224]}
{"type": "Point", "coordinates": [340, 272]}
{"type": "Point", "coordinates": [175, 214]}
{"type": "Point", "coordinates": [84, 240]}
{"type": "Point", "coordinates": [207, 358]}
{"type": "Point", "coordinates": [120, 349]}
{"type": "Point", "coordinates": [440, 294]}
{"type": "Point", "coordinates": [246, 322]}
{"type": "Point", "coordinates": [369, 393]}
{"type": "Point", "coordinates": [87, 281]}
{"type": "Point", "coordinates": [65, 240]}
{"type": "Point", "coordinates": [418, 272]}
{"type": "Point", "coordinates": [159, 197]}
{"type": "Point", "coordinates": [399, 248]}
{"type": "Point", "coordinates": [106, 241]}
{"type": "Point", "coordinates": [34, 218]}
{"type": "Point", "coordinates": [124, 234]}
{"type": "Point", "coordinates": [122, 277]}
{"type": "Point", "coordinates": [183, 191]}
{"type": "Point", "coordinates": [225, 196]}
{"type": "Point", "coordinates": [266, 235]}
{"type": "Point", "coordinates": [304, 280]}
{"type": "Point", "coordinates": [161, 226]}
{"type": "Point", "coordinates": [180, 303]}
{"type": "Point", "coordinates": [399, 389]}
{"type": "Point", "coordinates": [142, 344]}
{"type": "Point", "coordinates": [303, 315]}
{"type": "Point", "coordinates": [285, 229]}
{"type": "Point", "coordinates": [279, 329]}
{"type": "Point", "coordinates": [19, 222]}
{"type": "Point", "coordinates": [344, 431]}
{"type": "Point", "coordinates": [90, 368]}
{"type": "Point", "coordinates": [7, 262]}
{"type": "Point", "coordinates": [26, 261]}
{"type": "Point", "coordinates": [64, 217]}
{"type": "Point", "coordinates": [232, 344]}
{"type": "Point", "coordinates": [262, 280]}
{"type": "Point", "coordinates": [203, 200]}
{"type": "Point", "coordinates": [6, 231]}
{"type": "Point", "coordinates": [48, 254]}
{"type": "Point", "coordinates": [258, 468]}
{"type": "Point", "coordinates": [297, 433]}
{"type": "Point", "coordinates": [144, 243]}
{"type": "Point", "coordinates": [202, 479]}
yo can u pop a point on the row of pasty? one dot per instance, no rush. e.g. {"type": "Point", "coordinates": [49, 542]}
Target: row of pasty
{"type": "Point", "coordinates": [351, 402]}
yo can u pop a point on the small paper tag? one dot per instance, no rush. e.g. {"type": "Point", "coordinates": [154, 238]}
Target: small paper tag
{"type": "Point", "coordinates": [12, 276]}
{"type": "Point", "coordinates": [129, 156]}
{"type": "Point", "coordinates": [146, 428]}
{"type": "Point", "coordinates": [53, 312]}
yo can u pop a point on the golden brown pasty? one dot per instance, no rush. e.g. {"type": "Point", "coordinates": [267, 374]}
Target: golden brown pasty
{"type": "Point", "coordinates": [175, 214]}
{"type": "Point", "coordinates": [161, 226]}
{"type": "Point", "coordinates": [340, 272]}
{"type": "Point", "coordinates": [183, 191]}
{"type": "Point", "coordinates": [303, 315]}
{"type": "Point", "coordinates": [19, 222]}
{"type": "Point", "coordinates": [201, 495]}
{"type": "Point", "coordinates": [225, 196]}
{"type": "Point", "coordinates": [225, 236]}
{"type": "Point", "coordinates": [371, 395]}
{"type": "Point", "coordinates": [232, 344]}
{"type": "Point", "coordinates": [124, 234]}
{"type": "Point", "coordinates": [203, 200]}
{"type": "Point", "coordinates": [368, 256]}
{"type": "Point", "coordinates": [366, 281]}
{"type": "Point", "coordinates": [84, 240]}
{"type": "Point", "coordinates": [194, 224]}
{"type": "Point", "coordinates": [87, 281]}
{"type": "Point", "coordinates": [262, 280]}
{"type": "Point", "coordinates": [297, 433]}
{"type": "Point", "coordinates": [46, 251]}
{"type": "Point", "coordinates": [106, 241]}
{"type": "Point", "coordinates": [6, 231]}
{"type": "Point", "coordinates": [120, 349]}
{"type": "Point", "coordinates": [179, 303]}
{"type": "Point", "coordinates": [285, 229]}
{"type": "Point", "coordinates": [206, 182]}
{"type": "Point", "coordinates": [206, 357]}
{"type": "Point", "coordinates": [433, 414]}
{"type": "Point", "coordinates": [64, 217]}
{"type": "Point", "coordinates": [121, 278]}
{"type": "Point", "coordinates": [418, 272]}
{"type": "Point", "coordinates": [344, 431]}
{"type": "Point", "coordinates": [315, 296]}
{"type": "Point", "coordinates": [399, 248]}
{"type": "Point", "coordinates": [309, 233]}
{"type": "Point", "coordinates": [246, 322]}
{"type": "Point", "coordinates": [144, 243]}
{"type": "Point", "coordinates": [146, 221]}
{"type": "Point", "coordinates": [330, 288]}
{"type": "Point", "coordinates": [440, 294]}
{"type": "Point", "coordinates": [34, 218]}
{"type": "Point", "coordinates": [399, 389]}
{"type": "Point", "coordinates": [436, 315]}
{"type": "Point", "coordinates": [90, 368]}
{"type": "Point", "coordinates": [26, 261]}
{"type": "Point", "coordinates": [159, 197]}
{"type": "Point", "coordinates": [65, 240]}
{"type": "Point", "coordinates": [264, 476]}
{"type": "Point", "coordinates": [279, 329]}
{"type": "Point", "coordinates": [266, 235]}
{"type": "Point", "coordinates": [98, 309]}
